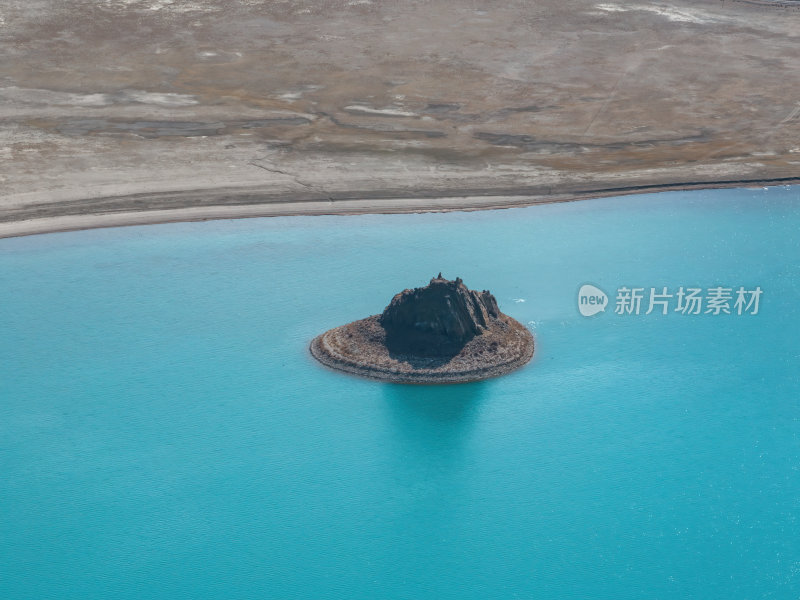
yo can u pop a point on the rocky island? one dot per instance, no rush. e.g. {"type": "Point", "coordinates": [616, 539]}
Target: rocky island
{"type": "Point", "coordinates": [441, 333]}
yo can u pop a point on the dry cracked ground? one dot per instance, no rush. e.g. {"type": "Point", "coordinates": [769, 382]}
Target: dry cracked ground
{"type": "Point", "coordinates": [108, 105]}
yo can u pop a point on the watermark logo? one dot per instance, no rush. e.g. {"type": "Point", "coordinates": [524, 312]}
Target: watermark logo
{"type": "Point", "coordinates": [591, 300]}
{"type": "Point", "coordinates": [662, 300]}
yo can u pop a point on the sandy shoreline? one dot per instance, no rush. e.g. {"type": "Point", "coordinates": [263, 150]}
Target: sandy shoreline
{"type": "Point", "coordinates": [249, 203]}
{"type": "Point", "coordinates": [138, 112]}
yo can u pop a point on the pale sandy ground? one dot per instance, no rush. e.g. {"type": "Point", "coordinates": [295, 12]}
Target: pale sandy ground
{"type": "Point", "coordinates": [134, 111]}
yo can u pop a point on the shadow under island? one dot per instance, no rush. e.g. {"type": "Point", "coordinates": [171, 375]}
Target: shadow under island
{"type": "Point", "coordinates": [436, 403]}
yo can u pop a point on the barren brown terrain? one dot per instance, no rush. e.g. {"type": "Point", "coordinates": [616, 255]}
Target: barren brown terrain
{"type": "Point", "coordinates": [146, 110]}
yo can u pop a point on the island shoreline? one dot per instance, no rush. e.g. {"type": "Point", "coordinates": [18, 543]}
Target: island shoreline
{"type": "Point", "coordinates": [253, 202]}
{"type": "Point", "coordinates": [465, 367]}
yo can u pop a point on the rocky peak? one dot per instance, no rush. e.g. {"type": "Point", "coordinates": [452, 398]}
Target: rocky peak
{"type": "Point", "coordinates": [438, 318]}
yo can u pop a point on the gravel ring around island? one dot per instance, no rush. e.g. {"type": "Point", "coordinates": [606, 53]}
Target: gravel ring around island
{"type": "Point", "coordinates": [359, 348]}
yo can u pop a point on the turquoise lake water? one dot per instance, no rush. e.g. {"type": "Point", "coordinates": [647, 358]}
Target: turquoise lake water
{"type": "Point", "coordinates": [165, 434]}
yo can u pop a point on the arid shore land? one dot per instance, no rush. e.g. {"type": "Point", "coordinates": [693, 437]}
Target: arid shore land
{"type": "Point", "coordinates": [133, 111]}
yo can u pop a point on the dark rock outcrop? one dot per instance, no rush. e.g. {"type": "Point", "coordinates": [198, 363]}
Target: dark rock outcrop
{"type": "Point", "coordinates": [437, 319]}
{"type": "Point", "coordinates": [440, 333]}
